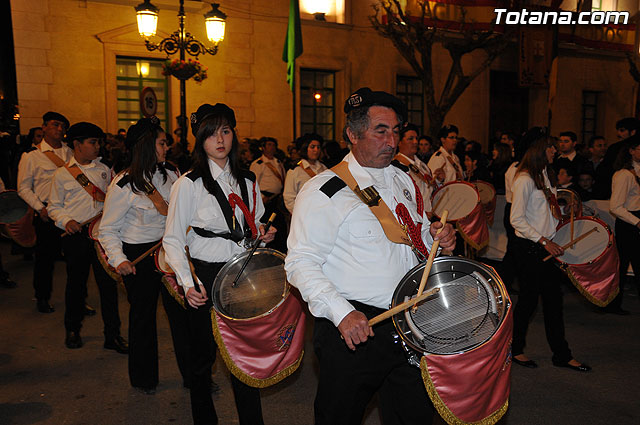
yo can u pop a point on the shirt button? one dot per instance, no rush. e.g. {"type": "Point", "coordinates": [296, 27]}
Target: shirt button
{"type": "Point", "coordinates": [369, 232]}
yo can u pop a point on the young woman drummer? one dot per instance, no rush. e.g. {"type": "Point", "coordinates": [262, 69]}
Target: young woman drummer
{"type": "Point", "coordinates": [625, 205]}
{"type": "Point", "coordinates": [309, 147]}
{"type": "Point", "coordinates": [534, 216]}
{"type": "Point", "coordinates": [132, 223]}
{"type": "Point", "coordinates": [213, 208]}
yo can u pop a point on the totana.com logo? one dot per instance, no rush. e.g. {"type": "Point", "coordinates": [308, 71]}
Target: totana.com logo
{"type": "Point", "coordinates": [526, 17]}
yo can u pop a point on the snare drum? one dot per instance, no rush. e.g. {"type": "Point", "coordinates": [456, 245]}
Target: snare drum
{"type": "Point", "coordinates": [458, 197]}
{"type": "Point", "coordinates": [16, 218]}
{"type": "Point", "coordinates": [564, 201]}
{"type": "Point", "coordinates": [258, 323]}
{"type": "Point", "coordinates": [488, 198]}
{"type": "Point", "coordinates": [169, 277]}
{"type": "Point", "coordinates": [460, 338]}
{"type": "Point", "coordinates": [592, 264]}
{"type": "Point", "coordinates": [94, 231]}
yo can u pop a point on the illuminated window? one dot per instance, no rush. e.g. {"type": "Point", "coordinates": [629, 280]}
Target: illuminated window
{"type": "Point", "coordinates": [323, 10]}
{"type": "Point", "coordinates": [132, 75]}
{"type": "Point", "coordinates": [589, 114]}
{"type": "Point", "coordinates": [317, 102]}
{"type": "Point", "coordinates": [409, 89]}
{"type": "Point", "coordinates": [604, 5]}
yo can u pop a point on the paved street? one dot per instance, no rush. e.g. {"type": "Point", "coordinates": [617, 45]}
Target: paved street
{"type": "Point", "coordinates": [42, 382]}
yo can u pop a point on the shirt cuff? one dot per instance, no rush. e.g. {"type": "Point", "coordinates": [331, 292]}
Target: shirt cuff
{"type": "Point", "coordinates": [340, 310]}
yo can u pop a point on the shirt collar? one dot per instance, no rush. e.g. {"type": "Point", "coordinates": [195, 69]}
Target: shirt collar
{"type": "Point", "coordinates": [216, 171]}
{"type": "Point", "coordinates": [362, 176]}
{"type": "Point", "coordinates": [569, 156]}
{"type": "Point", "coordinates": [44, 146]}
{"type": "Point", "coordinates": [73, 162]}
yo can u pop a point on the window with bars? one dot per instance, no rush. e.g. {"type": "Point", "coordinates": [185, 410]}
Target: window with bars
{"type": "Point", "coordinates": [317, 102]}
{"type": "Point", "coordinates": [409, 89]}
{"type": "Point", "coordinates": [133, 75]}
{"type": "Point", "coordinates": [589, 114]}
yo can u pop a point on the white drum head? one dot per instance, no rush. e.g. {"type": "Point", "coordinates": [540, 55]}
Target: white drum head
{"type": "Point", "coordinates": [94, 228]}
{"type": "Point", "coordinates": [459, 198]}
{"type": "Point", "coordinates": [589, 248]}
{"type": "Point", "coordinates": [161, 262]}
{"type": "Point", "coordinates": [486, 191]}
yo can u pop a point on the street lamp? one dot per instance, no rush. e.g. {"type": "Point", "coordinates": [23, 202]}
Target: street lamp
{"type": "Point", "coordinates": [181, 42]}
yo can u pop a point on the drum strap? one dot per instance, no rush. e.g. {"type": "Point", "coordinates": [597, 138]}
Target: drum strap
{"type": "Point", "coordinates": [54, 158]}
{"type": "Point", "coordinates": [94, 191]}
{"type": "Point", "coordinates": [392, 228]}
{"type": "Point", "coordinates": [236, 233]}
{"type": "Point", "coordinates": [157, 199]}
{"type": "Point", "coordinates": [415, 170]}
{"type": "Point", "coordinates": [553, 203]}
{"type": "Point", "coordinates": [459, 173]}
{"type": "Point", "coordinates": [275, 172]}
{"type": "Point", "coordinates": [307, 170]}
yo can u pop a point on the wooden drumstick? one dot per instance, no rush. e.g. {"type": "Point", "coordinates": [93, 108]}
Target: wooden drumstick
{"type": "Point", "coordinates": [196, 283]}
{"type": "Point", "coordinates": [432, 254]}
{"type": "Point", "coordinates": [253, 250]}
{"type": "Point", "coordinates": [402, 306]}
{"type": "Point", "coordinates": [146, 253]}
{"type": "Point", "coordinates": [572, 202]}
{"type": "Point", "coordinates": [573, 242]}
{"type": "Point", "coordinates": [84, 223]}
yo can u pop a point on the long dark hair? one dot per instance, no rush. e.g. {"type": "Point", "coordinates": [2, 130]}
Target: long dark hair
{"type": "Point", "coordinates": [624, 159]}
{"type": "Point", "coordinates": [144, 161]}
{"type": "Point", "coordinates": [209, 126]}
{"type": "Point", "coordinates": [535, 161]}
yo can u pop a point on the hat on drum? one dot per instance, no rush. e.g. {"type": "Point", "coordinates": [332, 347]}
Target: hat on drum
{"type": "Point", "coordinates": [16, 218]}
{"type": "Point", "coordinates": [592, 262]}
{"type": "Point", "coordinates": [257, 318]}
{"type": "Point", "coordinates": [460, 338]}
{"type": "Point", "coordinates": [462, 200]}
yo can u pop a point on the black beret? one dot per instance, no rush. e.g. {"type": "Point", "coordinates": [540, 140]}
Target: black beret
{"type": "Point", "coordinates": [81, 131]}
{"type": "Point", "coordinates": [140, 129]}
{"type": "Point", "coordinates": [365, 97]}
{"type": "Point", "coordinates": [206, 110]}
{"type": "Point", "coordinates": [49, 116]}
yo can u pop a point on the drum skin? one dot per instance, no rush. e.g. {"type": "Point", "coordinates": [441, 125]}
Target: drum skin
{"type": "Point", "coordinates": [16, 217]}
{"type": "Point", "coordinates": [488, 199]}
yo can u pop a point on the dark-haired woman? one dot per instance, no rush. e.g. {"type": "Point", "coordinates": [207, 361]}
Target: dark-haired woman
{"type": "Point", "coordinates": [534, 215]}
{"type": "Point", "coordinates": [309, 148]}
{"type": "Point", "coordinates": [133, 221]}
{"type": "Point", "coordinates": [625, 205]}
{"type": "Point", "coordinates": [213, 209]}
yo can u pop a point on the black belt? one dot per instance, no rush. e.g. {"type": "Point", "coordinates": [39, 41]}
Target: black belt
{"type": "Point", "coordinates": [236, 236]}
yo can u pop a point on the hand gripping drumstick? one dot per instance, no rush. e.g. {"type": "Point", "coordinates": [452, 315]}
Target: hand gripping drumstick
{"type": "Point", "coordinates": [402, 306]}
{"type": "Point", "coordinates": [84, 223]}
{"type": "Point", "coordinates": [573, 242]}
{"type": "Point", "coordinates": [432, 255]}
{"type": "Point", "coordinates": [253, 250]}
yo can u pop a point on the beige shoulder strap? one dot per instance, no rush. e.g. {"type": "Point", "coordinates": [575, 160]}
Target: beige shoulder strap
{"type": "Point", "coordinates": [307, 170]}
{"type": "Point", "coordinates": [392, 229]}
{"type": "Point", "coordinates": [157, 199]}
{"type": "Point", "coordinates": [54, 158]}
{"type": "Point", "coordinates": [94, 191]}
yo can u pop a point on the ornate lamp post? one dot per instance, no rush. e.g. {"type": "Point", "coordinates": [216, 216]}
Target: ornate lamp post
{"type": "Point", "coordinates": [181, 42]}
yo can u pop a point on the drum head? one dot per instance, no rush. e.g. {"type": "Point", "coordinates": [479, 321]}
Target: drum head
{"type": "Point", "coordinates": [459, 198]}
{"type": "Point", "coordinates": [94, 228]}
{"type": "Point", "coordinates": [12, 207]}
{"type": "Point", "coordinates": [486, 191]}
{"type": "Point", "coordinates": [465, 313]}
{"type": "Point", "coordinates": [161, 262]}
{"type": "Point", "coordinates": [587, 249]}
{"type": "Point", "coordinates": [260, 289]}
{"type": "Point", "coordinates": [564, 201]}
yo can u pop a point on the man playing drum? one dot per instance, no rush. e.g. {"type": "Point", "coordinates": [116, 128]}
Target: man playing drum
{"type": "Point", "coordinates": [346, 268]}
{"type": "Point", "coordinates": [35, 173]}
{"type": "Point", "coordinates": [445, 157]}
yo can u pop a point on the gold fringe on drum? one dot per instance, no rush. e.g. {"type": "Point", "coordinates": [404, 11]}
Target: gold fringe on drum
{"type": "Point", "coordinates": [103, 260]}
{"type": "Point", "coordinates": [176, 296]}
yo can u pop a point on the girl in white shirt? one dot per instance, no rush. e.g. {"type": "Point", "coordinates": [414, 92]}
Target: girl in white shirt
{"type": "Point", "coordinates": [625, 206]}
{"type": "Point", "coordinates": [309, 147]}
{"type": "Point", "coordinates": [213, 208]}
{"type": "Point", "coordinates": [132, 223]}
{"type": "Point", "coordinates": [534, 216]}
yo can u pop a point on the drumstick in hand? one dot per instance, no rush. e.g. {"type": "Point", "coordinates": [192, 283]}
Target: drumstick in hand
{"type": "Point", "coordinates": [84, 223]}
{"type": "Point", "coordinates": [432, 255]}
{"type": "Point", "coordinates": [573, 242]}
{"type": "Point", "coordinates": [402, 306]}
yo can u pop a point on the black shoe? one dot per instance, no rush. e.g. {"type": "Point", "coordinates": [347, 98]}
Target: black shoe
{"type": "Point", "coordinates": [582, 368]}
{"type": "Point", "coordinates": [527, 363]}
{"type": "Point", "coordinates": [73, 340]}
{"type": "Point", "coordinates": [8, 283]}
{"type": "Point", "coordinates": [118, 344]}
{"type": "Point", "coordinates": [45, 307]}
{"type": "Point", "coordinates": [88, 310]}
{"type": "Point", "coordinates": [146, 390]}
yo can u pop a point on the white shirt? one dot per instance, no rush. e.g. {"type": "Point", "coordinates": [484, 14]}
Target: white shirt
{"type": "Point", "coordinates": [425, 189]}
{"type": "Point", "coordinates": [439, 160]}
{"type": "Point", "coordinates": [337, 248]}
{"type": "Point", "coordinates": [509, 177]}
{"type": "Point", "coordinates": [296, 178]}
{"type": "Point", "coordinates": [267, 180]}
{"type": "Point", "coordinates": [35, 173]}
{"type": "Point", "coordinates": [531, 215]}
{"type": "Point", "coordinates": [192, 205]}
{"type": "Point", "coordinates": [625, 195]}
{"type": "Point", "coordinates": [70, 201]}
{"type": "Point", "coordinates": [131, 217]}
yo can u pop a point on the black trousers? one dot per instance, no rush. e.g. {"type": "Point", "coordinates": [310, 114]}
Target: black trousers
{"type": "Point", "coordinates": [349, 379]}
{"type": "Point", "coordinates": [80, 256]}
{"type": "Point", "coordinates": [539, 279]}
{"type": "Point", "coordinates": [509, 269]}
{"type": "Point", "coordinates": [203, 355]}
{"type": "Point", "coordinates": [628, 243]}
{"type": "Point", "coordinates": [142, 293]}
{"type": "Point", "coordinates": [47, 250]}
